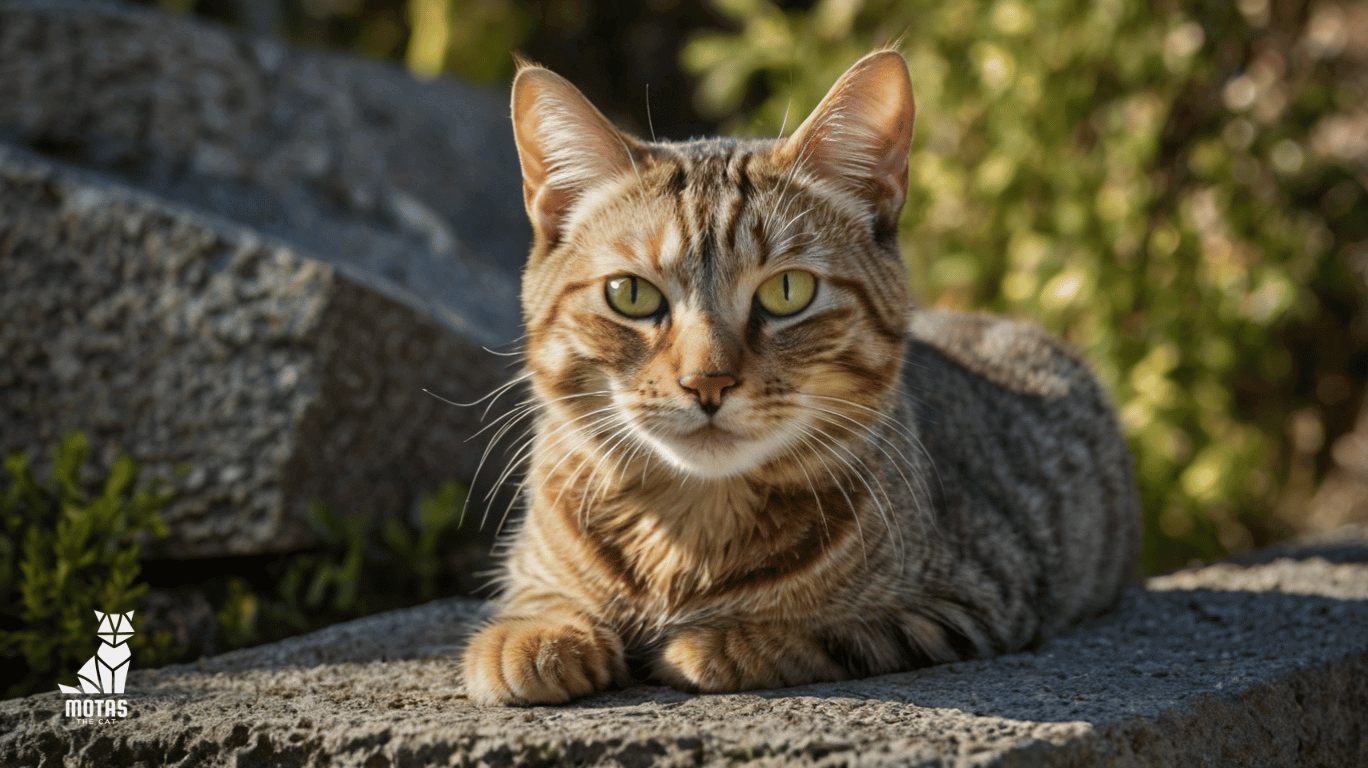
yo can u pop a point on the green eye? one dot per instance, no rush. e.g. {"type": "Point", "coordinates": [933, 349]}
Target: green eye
{"type": "Point", "coordinates": [633, 296]}
{"type": "Point", "coordinates": [787, 293]}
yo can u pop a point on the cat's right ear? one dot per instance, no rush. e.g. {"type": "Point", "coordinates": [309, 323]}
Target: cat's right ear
{"type": "Point", "coordinates": [565, 146]}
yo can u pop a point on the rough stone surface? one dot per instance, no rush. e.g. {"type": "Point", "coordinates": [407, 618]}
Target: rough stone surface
{"type": "Point", "coordinates": [248, 376]}
{"type": "Point", "coordinates": [1264, 664]}
{"type": "Point", "coordinates": [355, 162]}
{"type": "Point", "coordinates": [242, 264]}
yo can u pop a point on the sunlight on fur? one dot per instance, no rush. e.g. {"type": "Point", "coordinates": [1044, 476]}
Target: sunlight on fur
{"type": "Point", "coordinates": [751, 461]}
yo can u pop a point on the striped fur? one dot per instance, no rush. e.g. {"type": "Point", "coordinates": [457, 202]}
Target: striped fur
{"type": "Point", "coordinates": [872, 488]}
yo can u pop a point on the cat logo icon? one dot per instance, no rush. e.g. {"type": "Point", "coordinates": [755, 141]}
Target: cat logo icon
{"type": "Point", "coordinates": [106, 671]}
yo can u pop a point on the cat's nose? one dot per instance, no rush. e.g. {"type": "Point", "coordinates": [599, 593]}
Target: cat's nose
{"type": "Point", "coordinates": [709, 388]}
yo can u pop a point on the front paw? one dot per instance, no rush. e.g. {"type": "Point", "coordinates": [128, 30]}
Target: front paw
{"type": "Point", "coordinates": [742, 657]}
{"type": "Point", "coordinates": [526, 661]}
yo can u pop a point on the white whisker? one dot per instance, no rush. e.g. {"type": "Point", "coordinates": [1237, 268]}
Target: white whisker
{"type": "Point", "coordinates": [913, 439]}
{"type": "Point", "coordinates": [921, 492]}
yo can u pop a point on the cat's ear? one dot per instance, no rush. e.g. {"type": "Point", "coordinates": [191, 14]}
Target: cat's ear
{"type": "Point", "coordinates": [565, 145]}
{"type": "Point", "coordinates": [860, 134]}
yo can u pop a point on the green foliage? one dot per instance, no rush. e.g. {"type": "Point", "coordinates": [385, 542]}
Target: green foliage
{"type": "Point", "coordinates": [470, 38]}
{"type": "Point", "coordinates": [420, 548]}
{"type": "Point", "coordinates": [1138, 178]}
{"type": "Point", "coordinates": [65, 554]}
{"type": "Point", "coordinates": [348, 576]}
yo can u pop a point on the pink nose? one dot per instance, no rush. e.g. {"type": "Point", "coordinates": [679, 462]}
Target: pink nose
{"type": "Point", "coordinates": [709, 388]}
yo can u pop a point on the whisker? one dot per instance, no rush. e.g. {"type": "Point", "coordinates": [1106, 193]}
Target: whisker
{"type": "Point", "coordinates": [815, 498]}
{"type": "Point", "coordinates": [610, 417]}
{"type": "Point", "coordinates": [913, 439]}
{"type": "Point", "coordinates": [884, 508]}
{"type": "Point", "coordinates": [510, 419]}
{"type": "Point", "coordinates": [588, 499]}
{"type": "Point", "coordinates": [605, 415]}
{"type": "Point", "coordinates": [921, 493]}
{"type": "Point", "coordinates": [491, 396]}
{"type": "Point", "coordinates": [840, 486]}
{"type": "Point", "coordinates": [527, 445]}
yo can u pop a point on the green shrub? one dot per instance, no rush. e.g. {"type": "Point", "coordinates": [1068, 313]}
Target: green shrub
{"type": "Point", "coordinates": [65, 554]}
{"type": "Point", "coordinates": [1142, 180]}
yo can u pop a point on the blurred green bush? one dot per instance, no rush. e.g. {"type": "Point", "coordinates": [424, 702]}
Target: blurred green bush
{"type": "Point", "coordinates": [1159, 183]}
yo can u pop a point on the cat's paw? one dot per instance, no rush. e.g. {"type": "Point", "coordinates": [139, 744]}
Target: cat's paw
{"type": "Point", "coordinates": [742, 657]}
{"type": "Point", "coordinates": [524, 661]}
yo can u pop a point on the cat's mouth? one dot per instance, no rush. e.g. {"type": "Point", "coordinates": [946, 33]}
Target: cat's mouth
{"type": "Point", "coordinates": [711, 451]}
{"type": "Point", "coordinates": [712, 436]}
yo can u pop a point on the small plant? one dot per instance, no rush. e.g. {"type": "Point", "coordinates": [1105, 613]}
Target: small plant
{"type": "Point", "coordinates": [65, 553]}
{"type": "Point", "coordinates": [421, 547]}
{"type": "Point", "coordinates": [348, 575]}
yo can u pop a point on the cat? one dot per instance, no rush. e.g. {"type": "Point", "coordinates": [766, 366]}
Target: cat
{"type": "Point", "coordinates": [106, 671]}
{"type": "Point", "coordinates": [753, 463]}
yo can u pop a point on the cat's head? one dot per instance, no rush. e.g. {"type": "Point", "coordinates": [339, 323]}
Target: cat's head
{"type": "Point", "coordinates": [722, 305]}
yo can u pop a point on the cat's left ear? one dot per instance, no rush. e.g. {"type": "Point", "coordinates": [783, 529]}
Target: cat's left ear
{"type": "Point", "coordinates": [860, 134]}
{"type": "Point", "coordinates": [565, 147]}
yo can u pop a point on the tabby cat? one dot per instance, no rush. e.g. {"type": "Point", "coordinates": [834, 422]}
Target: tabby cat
{"type": "Point", "coordinates": [753, 463]}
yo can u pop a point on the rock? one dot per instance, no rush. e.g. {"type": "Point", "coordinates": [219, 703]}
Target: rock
{"type": "Point", "coordinates": [1258, 665]}
{"type": "Point", "coordinates": [357, 163]}
{"type": "Point", "coordinates": [249, 376]}
{"type": "Point", "coordinates": [242, 264]}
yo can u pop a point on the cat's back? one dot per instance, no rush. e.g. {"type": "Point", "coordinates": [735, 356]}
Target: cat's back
{"type": "Point", "coordinates": [1033, 478]}
{"type": "Point", "coordinates": [1016, 356]}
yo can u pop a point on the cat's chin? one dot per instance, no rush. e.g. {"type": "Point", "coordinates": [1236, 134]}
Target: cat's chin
{"type": "Point", "coordinates": [712, 453]}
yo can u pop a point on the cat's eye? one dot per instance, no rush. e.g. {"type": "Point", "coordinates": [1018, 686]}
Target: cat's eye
{"type": "Point", "coordinates": [633, 296]}
{"type": "Point", "coordinates": [787, 293]}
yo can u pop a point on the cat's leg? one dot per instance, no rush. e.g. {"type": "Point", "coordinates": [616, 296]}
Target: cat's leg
{"type": "Point", "coordinates": [744, 656]}
{"type": "Point", "coordinates": [542, 657]}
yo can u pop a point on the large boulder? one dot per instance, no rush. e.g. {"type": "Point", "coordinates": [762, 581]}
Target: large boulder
{"type": "Point", "coordinates": [355, 162]}
{"type": "Point", "coordinates": [242, 265]}
{"type": "Point", "coordinates": [1263, 663]}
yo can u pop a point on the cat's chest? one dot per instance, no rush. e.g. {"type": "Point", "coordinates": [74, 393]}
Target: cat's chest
{"type": "Point", "coordinates": [773, 559]}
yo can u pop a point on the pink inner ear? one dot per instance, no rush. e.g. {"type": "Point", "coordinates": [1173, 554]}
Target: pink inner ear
{"type": "Point", "coordinates": [565, 147]}
{"type": "Point", "coordinates": [862, 130]}
{"type": "Point", "coordinates": [548, 209]}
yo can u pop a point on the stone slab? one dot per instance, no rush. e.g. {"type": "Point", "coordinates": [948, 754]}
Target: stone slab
{"type": "Point", "coordinates": [249, 375]}
{"type": "Point", "coordinates": [1263, 664]}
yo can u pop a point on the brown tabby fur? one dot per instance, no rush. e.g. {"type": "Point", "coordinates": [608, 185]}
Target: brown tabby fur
{"type": "Point", "coordinates": [880, 488]}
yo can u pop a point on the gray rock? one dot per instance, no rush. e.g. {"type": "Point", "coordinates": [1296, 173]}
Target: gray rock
{"type": "Point", "coordinates": [1258, 665]}
{"type": "Point", "coordinates": [355, 162]}
{"type": "Point", "coordinates": [249, 376]}
{"type": "Point", "coordinates": [242, 264]}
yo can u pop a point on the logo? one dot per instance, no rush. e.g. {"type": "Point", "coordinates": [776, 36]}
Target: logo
{"type": "Point", "coordinates": [105, 672]}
